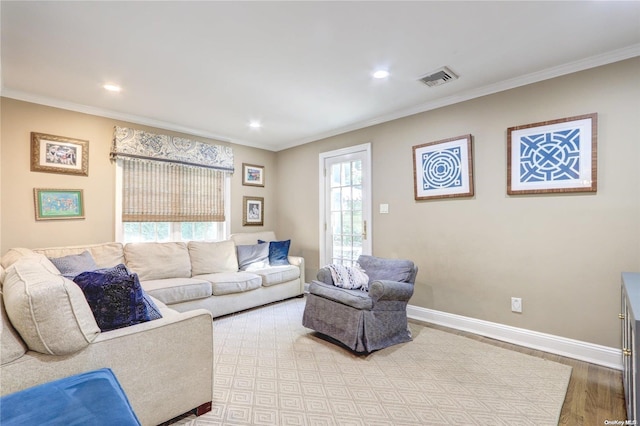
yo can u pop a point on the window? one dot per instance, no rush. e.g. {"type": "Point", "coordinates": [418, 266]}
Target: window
{"type": "Point", "coordinates": [143, 215]}
{"type": "Point", "coordinates": [134, 232]}
{"type": "Point", "coordinates": [169, 188]}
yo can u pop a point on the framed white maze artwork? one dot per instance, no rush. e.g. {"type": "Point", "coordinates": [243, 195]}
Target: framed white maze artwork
{"type": "Point", "coordinates": [443, 169]}
{"type": "Point", "coordinates": [553, 156]}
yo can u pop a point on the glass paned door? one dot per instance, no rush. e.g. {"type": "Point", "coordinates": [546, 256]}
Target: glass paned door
{"type": "Point", "coordinates": [346, 208]}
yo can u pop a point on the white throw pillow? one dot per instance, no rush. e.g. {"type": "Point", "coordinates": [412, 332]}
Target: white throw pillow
{"type": "Point", "coordinates": [49, 311]}
{"type": "Point", "coordinates": [212, 257]}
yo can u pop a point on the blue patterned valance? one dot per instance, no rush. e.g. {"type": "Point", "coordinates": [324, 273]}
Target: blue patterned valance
{"type": "Point", "coordinates": [140, 145]}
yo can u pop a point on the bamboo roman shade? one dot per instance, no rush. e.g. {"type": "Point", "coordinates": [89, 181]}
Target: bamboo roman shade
{"type": "Point", "coordinates": [168, 179]}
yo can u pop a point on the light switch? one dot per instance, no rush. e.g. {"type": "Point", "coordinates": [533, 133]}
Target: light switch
{"type": "Point", "coordinates": [384, 208]}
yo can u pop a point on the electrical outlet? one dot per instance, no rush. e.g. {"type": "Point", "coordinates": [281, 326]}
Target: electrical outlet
{"type": "Point", "coordinates": [516, 304]}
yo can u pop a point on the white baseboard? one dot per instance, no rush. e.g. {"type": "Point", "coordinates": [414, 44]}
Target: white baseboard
{"type": "Point", "coordinates": [583, 351]}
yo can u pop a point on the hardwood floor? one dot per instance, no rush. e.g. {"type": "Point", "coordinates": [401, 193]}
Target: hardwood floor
{"type": "Point", "coordinates": [595, 393]}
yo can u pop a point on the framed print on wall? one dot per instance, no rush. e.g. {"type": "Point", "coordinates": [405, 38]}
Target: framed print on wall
{"type": "Point", "coordinates": [553, 156]}
{"type": "Point", "coordinates": [58, 154]}
{"type": "Point", "coordinates": [252, 175]}
{"type": "Point", "coordinates": [58, 203]}
{"type": "Point", "coordinates": [443, 169]}
{"type": "Point", "coordinates": [252, 211]}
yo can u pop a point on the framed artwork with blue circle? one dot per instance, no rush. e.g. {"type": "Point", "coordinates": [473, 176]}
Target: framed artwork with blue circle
{"type": "Point", "coordinates": [553, 156]}
{"type": "Point", "coordinates": [443, 169]}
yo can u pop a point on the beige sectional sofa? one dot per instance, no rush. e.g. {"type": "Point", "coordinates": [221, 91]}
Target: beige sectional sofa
{"type": "Point", "coordinates": [165, 365]}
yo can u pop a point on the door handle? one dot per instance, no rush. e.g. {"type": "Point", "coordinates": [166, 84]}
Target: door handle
{"type": "Point", "coordinates": [364, 229]}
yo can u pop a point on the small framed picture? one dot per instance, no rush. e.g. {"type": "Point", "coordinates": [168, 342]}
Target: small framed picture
{"type": "Point", "coordinates": [252, 211]}
{"type": "Point", "coordinates": [58, 154]}
{"type": "Point", "coordinates": [553, 156]}
{"type": "Point", "coordinates": [443, 169]}
{"type": "Point", "coordinates": [58, 203]}
{"type": "Point", "coordinates": [252, 175]}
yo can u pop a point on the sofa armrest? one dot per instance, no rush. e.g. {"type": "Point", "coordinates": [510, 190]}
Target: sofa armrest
{"type": "Point", "coordinates": [390, 290]}
{"type": "Point", "coordinates": [165, 366]}
{"type": "Point", "coordinates": [169, 317]}
{"type": "Point", "coordinates": [299, 262]}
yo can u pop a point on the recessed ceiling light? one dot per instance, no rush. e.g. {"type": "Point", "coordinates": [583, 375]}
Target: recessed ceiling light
{"type": "Point", "coordinates": [111, 88]}
{"type": "Point", "coordinates": [255, 125]}
{"type": "Point", "coordinates": [381, 74]}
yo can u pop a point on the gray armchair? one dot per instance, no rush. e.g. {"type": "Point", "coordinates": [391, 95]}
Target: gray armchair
{"type": "Point", "coordinates": [364, 321]}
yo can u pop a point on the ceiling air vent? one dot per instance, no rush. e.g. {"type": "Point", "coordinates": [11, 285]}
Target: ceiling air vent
{"type": "Point", "coordinates": [436, 78]}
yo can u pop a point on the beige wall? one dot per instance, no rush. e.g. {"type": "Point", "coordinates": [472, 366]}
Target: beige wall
{"type": "Point", "coordinates": [562, 254]}
{"type": "Point", "coordinates": [17, 217]}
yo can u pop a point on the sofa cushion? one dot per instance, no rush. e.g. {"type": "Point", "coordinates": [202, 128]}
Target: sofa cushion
{"type": "Point", "coordinates": [175, 290]}
{"type": "Point", "coordinates": [278, 274]}
{"type": "Point", "coordinates": [105, 255]}
{"type": "Point", "coordinates": [154, 261]}
{"type": "Point", "coordinates": [211, 257]}
{"type": "Point", "coordinates": [254, 256]}
{"type": "Point", "coordinates": [13, 347]}
{"type": "Point", "coordinates": [115, 296]}
{"type": "Point", "coordinates": [74, 264]}
{"type": "Point", "coordinates": [30, 291]}
{"type": "Point", "coordinates": [232, 282]}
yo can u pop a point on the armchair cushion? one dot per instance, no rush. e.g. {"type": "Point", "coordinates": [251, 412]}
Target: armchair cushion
{"type": "Point", "coordinates": [387, 269]}
{"type": "Point", "coordinates": [357, 299]}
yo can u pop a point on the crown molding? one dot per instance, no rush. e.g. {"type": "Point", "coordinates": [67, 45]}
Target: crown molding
{"type": "Point", "coordinates": [535, 77]}
{"type": "Point", "coordinates": [569, 68]}
{"type": "Point", "coordinates": [130, 118]}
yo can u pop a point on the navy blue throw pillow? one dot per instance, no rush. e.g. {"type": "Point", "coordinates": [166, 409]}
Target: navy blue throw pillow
{"type": "Point", "coordinates": [115, 297]}
{"type": "Point", "coordinates": [278, 252]}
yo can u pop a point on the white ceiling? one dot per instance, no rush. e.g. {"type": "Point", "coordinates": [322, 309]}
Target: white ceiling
{"type": "Point", "coordinates": [302, 68]}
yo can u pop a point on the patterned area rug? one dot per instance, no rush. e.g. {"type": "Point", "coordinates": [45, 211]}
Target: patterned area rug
{"type": "Point", "coordinates": [270, 370]}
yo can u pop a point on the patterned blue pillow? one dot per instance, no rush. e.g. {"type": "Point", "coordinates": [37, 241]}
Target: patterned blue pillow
{"type": "Point", "coordinates": [152, 308]}
{"type": "Point", "coordinates": [278, 252]}
{"type": "Point", "coordinates": [115, 297]}
{"type": "Point", "coordinates": [74, 264]}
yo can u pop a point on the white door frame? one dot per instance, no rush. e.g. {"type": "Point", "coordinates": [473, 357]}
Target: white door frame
{"type": "Point", "coordinates": [367, 195]}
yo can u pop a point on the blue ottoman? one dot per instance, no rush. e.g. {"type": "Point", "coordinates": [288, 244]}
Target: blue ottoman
{"type": "Point", "coordinates": [93, 398]}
